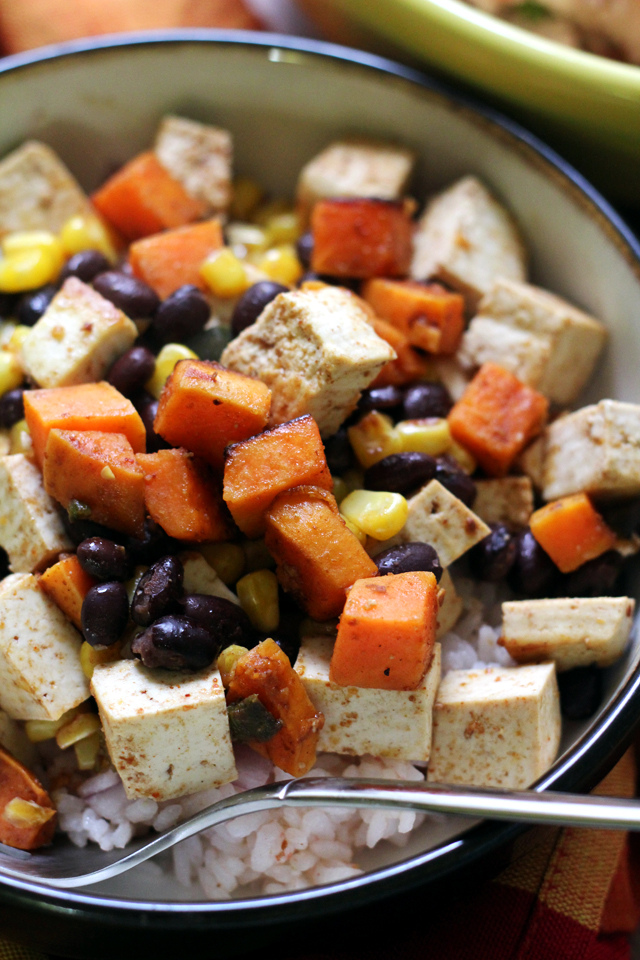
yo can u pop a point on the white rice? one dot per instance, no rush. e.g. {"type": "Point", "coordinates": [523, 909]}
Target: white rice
{"type": "Point", "coordinates": [278, 850]}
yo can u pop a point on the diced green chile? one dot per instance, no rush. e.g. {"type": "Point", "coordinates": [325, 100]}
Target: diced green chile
{"type": "Point", "coordinates": [249, 720]}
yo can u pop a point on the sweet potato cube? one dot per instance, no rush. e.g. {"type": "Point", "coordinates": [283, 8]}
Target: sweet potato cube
{"type": "Point", "coordinates": [431, 316]}
{"type": "Point", "coordinates": [172, 259]}
{"type": "Point", "coordinates": [387, 632]}
{"type": "Point", "coordinates": [205, 407]}
{"type": "Point", "coordinates": [17, 783]}
{"type": "Point", "coordinates": [143, 198]}
{"type": "Point", "coordinates": [317, 557]}
{"type": "Point", "coordinates": [266, 672]}
{"type": "Point", "coordinates": [571, 531]}
{"type": "Point", "coordinates": [183, 495]}
{"type": "Point", "coordinates": [361, 237]}
{"type": "Point", "coordinates": [258, 469]}
{"type": "Point", "coordinates": [97, 470]}
{"type": "Point", "coordinates": [496, 417]}
{"type": "Point", "coordinates": [67, 584]}
{"type": "Point", "coordinates": [409, 364]}
{"type": "Point", "coordinates": [85, 406]}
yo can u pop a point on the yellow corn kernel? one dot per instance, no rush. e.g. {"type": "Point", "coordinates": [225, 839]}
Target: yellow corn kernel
{"type": "Point", "coordinates": [341, 488]}
{"type": "Point", "coordinates": [16, 339]}
{"type": "Point", "coordinates": [373, 438]}
{"type": "Point", "coordinates": [227, 660]}
{"type": "Point", "coordinates": [227, 559]}
{"type": "Point", "coordinates": [378, 513]}
{"type": "Point", "coordinates": [247, 194]}
{"type": "Point", "coordinates": [430, 435]}
{"type": "Point", "coordinates": [39, 730]}
{"type": "Point", "coordinates": [35, 240]}
{"type": "Point", "coordinates": [256, 556]}
{"type": "Point", "coordinates": [281, 264]}
{"type": "Point", "coordinates": [82, 232]}
{"type": "Point", "coordinates": [27, 813]}
{"type": "Point", "coordinates": [258, 596]}
{"type": "Point", "coordinates": [224, 274]}
{"type": "Point", "coordinates": [20, 439]}
{"type": "Point", "coordinates": [27, 269]}
{"type": "Point", "coordinates": [82, 725]}
{"type": "Point", "coordinates": [11, 372]}
{"type": "Point", "coordinates": [269, 209]}
{"type": "Point", "coordinates": [464, 459]}
{"type": "Point", "coordinates": [246, 238]}
{"type": "Point", "coordinates": [165, 362]}
{"type": "Point", "coordinates": [90, 656]}
{"type": "Point", "coordinates": [87, 751]}
{"type": "Point", "coordinates": [282, 227]}
{"type": "Point", "coordinates": [358, 533]}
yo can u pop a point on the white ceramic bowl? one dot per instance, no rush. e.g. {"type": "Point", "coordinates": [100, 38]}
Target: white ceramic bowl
{"type": "Point", "coordinates": [98, 104]}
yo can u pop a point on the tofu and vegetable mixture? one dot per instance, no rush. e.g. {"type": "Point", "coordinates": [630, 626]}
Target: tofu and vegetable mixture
{"type": "Point", "coordinates": [289, 486]}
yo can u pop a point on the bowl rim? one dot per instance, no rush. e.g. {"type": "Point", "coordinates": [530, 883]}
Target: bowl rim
{"type": "Point", "coordinates": [500, 36]}
{"type": "Point", "coordinates": [587, 760]}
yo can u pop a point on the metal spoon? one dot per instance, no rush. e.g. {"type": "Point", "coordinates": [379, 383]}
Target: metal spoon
{"type": "Point", "coordinates": [63, 865]}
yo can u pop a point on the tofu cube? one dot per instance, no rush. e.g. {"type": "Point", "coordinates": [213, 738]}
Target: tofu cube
{"type": "Point", "coordinates": [355, 168]}
{"type": "Point", "coordinates": [40, 673]}
{"type": "Point", "coordinates": [451, 606]}
{"type": "Point", "coordinates": [497, 727]}
{"type": "Point", "coordinates": [167, 733]}
{"type": "Point", "coordinates": [200, 157]}
{"type": "Point", "coordinates": [77, 338]}
{"type": "Point", "coordinates": [573, 632]}
{"type": "Point", "coordinates": [358, 720]}
{"type": "Point", "coordinates": [437, 517]}
{"type": "Point", "coordinates": [31, 530]}
{"type": "Point", "coordinates": [467, 239]}
{"type": "Point", "coordinates": [595, 449]}
{"type": "Point", "coordinates": [545, 341]}
{"type": "Point", "coordinates": [316, 350]}
{"type": "Point", "coordinates": [37, 192]}
{"type": "Point", "coordinates": [200, 577]}
{"type": "Point", "coordinates": [507, 500]}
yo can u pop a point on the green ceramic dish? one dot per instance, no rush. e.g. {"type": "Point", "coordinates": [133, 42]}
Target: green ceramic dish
{"type": "Point", "coordinates": [586, 106]}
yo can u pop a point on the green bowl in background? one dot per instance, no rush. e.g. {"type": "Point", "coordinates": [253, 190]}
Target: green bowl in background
{"type": "Point", "coordinates": [586, 106]}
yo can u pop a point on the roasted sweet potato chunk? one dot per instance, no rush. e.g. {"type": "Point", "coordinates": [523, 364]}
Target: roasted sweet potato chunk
{"type": "Point", "coordinates": [184, 497]}
{"type": "Point", "coordinates": [361, 237]}
{"type": "Point", "coordinates": [431, 316]}
{"type": "Point", "coordinates": [67, 584]}
{"type": "Point", "coordinates": [258, 469]}
{"type": "Point", "coordinates": [317, 556]}
{"type": "Point", "coordinates": [571, 531]}
{"type": "Point", "coordinates": [266, 671]}
{"type": "Point", "coordinates": [169, 260]}
{"type": "Point", "coordinates": [205, 407]}
{"type": "Point", "coordinates": [98, 471]}
{"type": "Point", "coordinates": [27, 815]}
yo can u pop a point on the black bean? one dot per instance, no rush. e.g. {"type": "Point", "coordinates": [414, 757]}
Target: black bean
{"type": "Point", "coordinates": [304, 249]}
{"type": "Point", "coordinates": [623, 516]}
{"type": "Point", "coordinates": [158, 589]}
{"type": "Point", "coordinates": [175, 643]}
{"type": "Point", "coordinates": [131, 371]}
{"type": "Point", "coordinates": [8, 305]}
{"type": "Point", "coordinates": [183, 314]}
{"type": "Point", "coordinates": [387, 398]}
{"type": "Point", "coordinates": [252, 303]}
{"type": "Point", "coordinates": [4, 563]}
{"type": "Point", "coordinates": [32, 305]}
{"type": "Point", "coordinates": [226, 621]}
{"type": "Point", "coordinates": [400, 472]}
{"type": "Point", "coordinates": [104, 559]}
{"type": "Point", "coordinates": [408, 557]}
{"type": "Point", "coordinates": [105, 612]}
{"type": "Point", "coordinates": [79, 530]}
{"type": "Point", "coordinates": [147, 407]}
{"type": "Point", "coordinates": [427, 400]}
{"type": "Point", "coordinates": [85, 265]}
{"type": "Point", "coordinates": [154, 545]}
{"type": "Point", "coordinates": [451, 475]}
{"type": "Point", "coordinates": [533, 574]}
{"type": "Point", "coordinates": [581, 691]}
{"type": "Point", "coordinates": [339, 452]}
{"type": "Point", "coordinates": [11, 407]}
{"type": "Point", "coordinates": [493, 557]}
{"type": "Point", "coordinates": [595, 578]}
{"type": "Point", "coordinates": [134, 297]}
